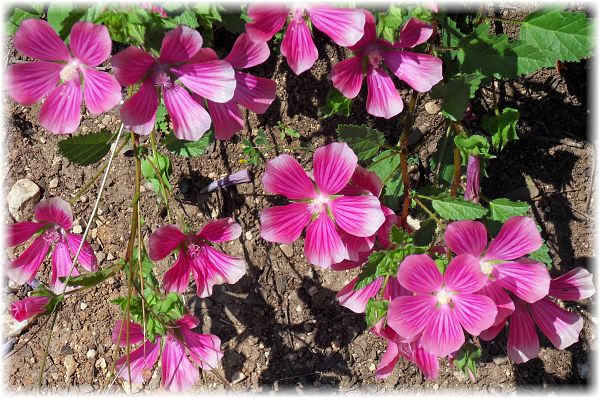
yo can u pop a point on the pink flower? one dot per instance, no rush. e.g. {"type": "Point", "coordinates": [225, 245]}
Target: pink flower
{"type": "Point", "coordinates": [28, 307]}
{"type": "Point", "coordinates": [154, 9]}
{"type": "Point", "coordinates": [54, 218]}
{"type": "Point", "coordinates": [208, 266]}
{"type": "Point", "coordinates": [345, 26]}
{"type": "Point", "coordinates": [178, 372]}
{"type": "Point", "coordinates": [172, 74]}
{"type": "Point", "coordinates": [356, 300]}
{"type": "Point", "coordinates": [420, 71]}
{"type": "Point", "coordinates": [318, 204]}
{"type": "Point", "coordinates": [62, 72]}
{"type": "Point", "coordinates": [252, 92]}
{"type": "Point", "coordinates": [443, 305]}
{"type": "Point", "coordinates": [561, 327]}
{"type": "Point", "coordinates": [472, 186]}
{"type": "Point", "coordinates": [503, 261]}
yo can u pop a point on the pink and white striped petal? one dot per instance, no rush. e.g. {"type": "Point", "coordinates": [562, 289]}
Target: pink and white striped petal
{"type": "Point", "coordinates": [504, 304]}
{"type": "Point", "coordinates": [334, 165]}
{"type": "Point", "coordinates": [29, 82]}
{"type": "Point", "coordinates": [356, 300]}
{"type": "Point", "coordinates": [90, 43]}
{"type": "Point", "coordinates": [383, 99]}
{"type": "Point", "coordinates": [254, 93]}
{"type": "Point", "coordinates": [322, 245]}
{"type": "Point", "coordinates": [418, 273]}
{"type": "Point", "coordinates": [61, 110]}
{"type": "Point", "coordinates": [491, 333]}
{"type": "Point", "coordinates": [356, 245]}
{"type": "Point", "coordinates": [267, 19]}
{"type": "Point", "coordinates": [409, 315]}
{"type": "Point", "coordinates": [464, 275]}
{"type": "Point", "coordinates": [177, 277]}
{"type": "Point", "coordinates": [298, 47]}
{"type": "Point", "coordinates": [523, 343]}
{"type": "Point", "coordinates": [213, 267]}
{"type": "Point", "coordinates": [222, 230]}
{"type": "Point", "coordinates": [345, 26]}
{"type": "Point", "coordinates": [285, 176]}
{"type": "Point", "coordinates": [517, 237]}
{"type": "Point", "coordinates": [138, 113]}
{"type": "Point", "coordinates": [54, 210]}
{"type": "Point", "coordinates": [227, 119]}
{"type": "Point", "coordinates": [466, 237]}
{"type": "Point", "coordinates": [178, 373]}
{"type": "Point", "coordinates": [475, 312]}
{"type": "Point", "coordinates": [247, 53]}
{"type": "Point", "coordinates": [284, 224]}
{"type": "Point", "coordinates": [61, 265]}
{"type": "Point", "coordinates": [388, 361]}
{"type": "Point", "coordinates": [347, 76]}
{"type": "Point", "coordinates": [420, 71]}
{"type": "Point", "coordinates": [370, 33]}
{"type": "Point", "coordinates": [190, 119]}
{"type": "Point", "coordinates": [205, 349]}
{"type": "Point", "coordinates": [528, 279]}
{"type": "Point", "coordinates": [141, 361]}
{"type": "Point", "coordinates": [101, 91]}
{"type": "Point", "coordinates": [213, 80]}
{"type": "Point", "coordinates": [180, 44]}
{"type": "Point", "coordinates": [36, 39]}
{"type": "Point", "coordinates": [415, 32]}
{"type": "Point", "coordinates": [577, 284]}
{"type": "Point", "coordinates": [427, 363]}
{"type": "Point", "coordinates": [86, 257]}
{"type": "Point", "coordinates": [358, 215]}
{"type": "Point", "coordinates": [163, 241]}
{"type": "Point", "coordinates": [119, 333]}
{"type": "Point", "coordinates": [131, 65]}
{"type": "Point", "coordinates": [23, 268]}
{"type": "Point", "coordinates": [21, 232]}
{"type": "Point", "coordinates": [443, 333]}
{"type": "Point", "coordinates": [561, 327]}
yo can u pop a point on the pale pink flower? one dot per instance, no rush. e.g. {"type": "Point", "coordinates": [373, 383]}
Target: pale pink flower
{"type": "Point", "coordinates": [503, 262]}
{"type": "Point", "coordinates": [28, 307]}
{"type": "Point", "coordinates": [443, 305]}
{"type": "Point", "coordinates": [472, 187]}
{"type": "Point", "coordinates": [318, 204]}
{"type": "Point", "coordinates": [63, 73]}
{"type": "Point", "coordinates": [208, 265]}
{"type": "Point", "coordinates": [561, 327]}
{"type": "Point", "coordinates": [178, 372]}
{"type": "Point", "coordinates": [252, 92]}
{"type": "Point", "coordinates": [420, 71]}
{"type": "Point", "coordinates": [345, 26]}
{"type": "Point", "coordinates": [172, 74]}
{"type": "Point", "coordinates": [55, 219]}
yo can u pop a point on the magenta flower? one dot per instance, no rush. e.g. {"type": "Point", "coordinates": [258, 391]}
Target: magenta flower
{"type": "Point", "coordinates": [561, 327]}
{"type": "Point", "coordinates": [443, 305]}
{"type": "Point", "coordinates": [503, 262]}
{"type": "Point", "coordinates": [420, 71]}
{"type": "Point", "coordinates": [62, 72]}
{"type": "Point", "coordinates": [28, 307]}
{"type": "Point", "coordinates": [178, 372]}
{"type": "Point", "coordinates": [356, 300]}
{"type": "Point", "coordinates": [345, 26]}
{"type": "Point", "coordinates": [54, 218]}
{"type": "Point", "coordinates": [252, 92]}
{"type": "Point", "coordinates": [472, 187]}
{"type": "Point", "coordinates": [318, 204]}
{"type": "Point", "coordinates": [172, 74]}
{"type": "Point", "coordinates": [208, 266]}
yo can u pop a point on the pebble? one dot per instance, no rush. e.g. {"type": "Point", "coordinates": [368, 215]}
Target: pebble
{"type": "Point", "coordinates": [14, 327]}
{"type": "Point", "coordinates": [131, 388]}
{"type": "Point", "coordinates": [77, 229]}
{"type": "Point", "coordinates": [372, 367]}
{"type": "Point", "coordinates": [436, 386]}
{"type": "Point", "coordinates": [91, 354]}
{"type": "Point", "coordinates": [22, 197]}
{"type": "Point", "coordinates": [460, 376]}
{"type": "Point", "coordinates": [101, 363]}
{"type": "Point", "coordinates": [288, 250]}
{"type": "Point", "coordinates": [70, 366]}
{"type": "Point", "coordinates": [432, 108]}
{"type": "Point", "coordinates": [237, 377]}
{"type": "Point", "coordinates": [500, 359]}
{"type": "Point", "coordinates": [312, 290]}
{"type": "Point", "coordinates": [53, 183]}
{"type": "Point", "coordinates": [110, 257]}
{"type": "Point", "coordinates": [248, 235]}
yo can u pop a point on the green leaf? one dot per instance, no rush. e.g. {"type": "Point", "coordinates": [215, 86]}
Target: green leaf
{"type": "Point", "coordinates": [502, 128]}
{"type": "Point", "coordinates": [20, 14]}
{"type": "Point", "coordinates": [458, 209]}
{"type": "Point", "coordinates": [474, 144]}
{"type": "Point", "coordinates": [335, 104]}
{"type": "Point", "coordinates": [502, 209]}
{"type": "Point", "coordinates": [364, 141]}
{"type": "Point", "coordinates": [542, 255]}
{"type": "Point", "coordinates": [375, 310]}
{"type": "Point", "coordinates": [86, 149]}
{"type": "Point", "coordinates": [384, 263]}
{"type": "Point", "coordinates": [390, 22]}
{"type": "Point", "coordinates": [187, 18]}
{"type": "Point", "coordinates": [441, 161]}
{"type": "Point", "coordinates": [399, 236]}
{"type": "Point", "coordinates": [387, 166]}
{"type": "Point", "coordinates": [467, 358]}
{"type": "Point", "coordinates": [456, 93]}
{"type": "Point", "coordinates": [163, 165]}
{"type": "Point", "coordinates": [563, 35]}
{"type": "Point", "coordinates": [188, 149]}
{"type": "Point", "coordinates": [233, 22]}
{"type": "Point", "coordinates": [89, 279]}
{"type": "Point", "coordinates": [57, 13]}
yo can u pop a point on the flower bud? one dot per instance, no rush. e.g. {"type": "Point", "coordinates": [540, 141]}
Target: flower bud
{"type": "Point", "coordinates": [28, 307]}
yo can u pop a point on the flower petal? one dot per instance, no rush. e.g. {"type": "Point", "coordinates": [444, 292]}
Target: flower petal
{"type": "Point", "coordinates": [526, 278]}
{"type": "Point", "coordinates": [54, 210]}
{"type": "Point", "coordinates": [254, 93]}
{"type": "Point", "coordinates": [36, 39]}
{"type": "Point", "coordinates": [21, 232]}
{"type": "Point", "coordinates": [101, 91]}
{"type": "Point", "coordinates": [61, 110]}
{"type": "Point", "coordinates": [475, 312]}
{"type": "Point", "coordinates": [358, 215]}
{"type": "Point", "coordinates": [190, 119]}
{"type": "Point", "coordinates": [322, 245]}
{"type": "Point", "coordinates": [284, 224]}
{"type": "Point", "coordinates": [138, 113]}
{"type": "Point", "coordinates": [267, 19]}
{"type": "Point", "coordinates": [29, 82]}
{"type": "Point", "coordinates": [427, 363]}
{"type": "Point", "coordinates": [347, 76]}
{"type": "Point", "coordinates": [415, 32]}
{"type": "Point", "coordinates": [388, 361]}
{"type": "Point", "coordinates": [28, 307]}
{"type": "Point", "coordinates": [466, 237]}
{"type": "Point", "coordinates": [345, 26]}
{"type": "Point", "coordinates": [517, 237]}
{"type": "Point", "coordinates": [523, 343]}
{"type": "Point", "coordinates": [23, 268]}
{"type": "Point", "coordinates": [177, 277]}
{"type": "Point", "coordinates": [491, 333]}
{"type": "Point", "coordinates": [213, 80]}
{"type": "Point", "coordinates": [131, 65]}
{"type": "Point", "coordinates": [285, 176]}
{"type": "Point", "coordinates": [227, 119]}
{"type": "Point", "coordinates": [369, 35]}
{"type": "Point", "coordinates": [247, 53]}
{"type": "Point", "coordinates": [383, 99]}
{"type": "Point", "coordinates": [356, 245]}
{"type": "Point", "coordinates": [561, 327]}
{"type": "Point", "coordinates": [443, 334]}
{"type": "Point", "coordinates": [577, 284]}
{"type": "Point", "coordinates": [86, 257]}
{"type": "Point", "coordinates": [420, 71]}
{"type": "Point", "coordinates": [163, 241]}
{"type": "Point", "coordinates": [504, 304]}
{"type": "Point", "coordinates": [205, 349]}
{"type": "Point", "coordinates": [61, 266]}
{"type": "Point", "coordinates": [212, 267]}
{"type": "Point", "coordinates": [472, 185]}
{"type": "Point", "coordinates": [141, 359]}
{"type": "Point", "coordinates": [90, 43]}
{"type": "Point", "coordinates": [298, 47]}
{"type": "Point", "coordinates": [356, 300]}
{"type": "Point", "coordinates": [464, 275]}
{"type": "Point", "coordinates": [408, 315]}
{"type": "Point", "coordinates": [222, 230]}
{"type": "Point", "coordinates": [180, 44]}
{"type": "Point", "coordinates": [119, 333]}
{"type": "Point", "coordinates": [363, 182]}
{"type": "Point", "coordinates": [334, 165]}
{"type": "Point", "coordinates": [178, 373]}
{"type": "Point", "coordinates": [418, 273]}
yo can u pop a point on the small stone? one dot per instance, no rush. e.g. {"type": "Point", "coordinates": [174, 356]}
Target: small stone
{"type": "Point", "coordinates": [70, 366]}
{"type": "Point", "coordinates": [94, 233]}
{"type": "Point", "coordinates": [110, 257]}
{"type": "Point", "coordinates": [83, 199]}
{"type": "Point", "coordinates": [372, 367]}
{"type": "Point", "coordinates": [155, 380]}
{"type": "Point", "coordinates": [248, 235]}
{"type": "Point", "coordinates": [432, 108]}
{"type": "Point", "coordinates": [436, 386]}
{"type": "Point", "coordinates": [22, 197]}
{"type": "Point", "coordinates": [500, 359]}
{"type": "Point", "coordinates": [106, 120]}
{"type": "Point", "coordinates": [237, 377]}
{"type": "Point", "coordinates": [91, 354]}
{"type": "Point", "coordinates": [130, 388]}
{"type": "Point", "coordinates": [53, 183]}
{"type": "Point", "coordinates": [288, 250]}
{"type": "Point", "coordinates": [77, 229]}
{"type": "Point", "coordinates": [312, 290]}
{"type": "Point", "coordinates": [14, 328]}
{"type": "Point", "coordinates": [101, 363]}
{"type": "Point", "coordinates": [460, 376]}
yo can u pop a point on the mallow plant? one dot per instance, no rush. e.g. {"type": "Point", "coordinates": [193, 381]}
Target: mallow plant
{"type": "Point", "coordinates": [438, 268]}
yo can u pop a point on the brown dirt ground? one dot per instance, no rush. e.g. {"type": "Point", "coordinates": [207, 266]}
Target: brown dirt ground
{"type": "Point", "coordinates": [276, 328]}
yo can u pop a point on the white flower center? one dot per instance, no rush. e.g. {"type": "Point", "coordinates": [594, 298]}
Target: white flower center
{"type": "Point", "coordinates": [52, 236]}
{"type": "Point", "coordinates": [443, 297]}
{"type": "Point", "coordinates": [318, 204]}
{"type": "Point", "coordinates": [70, 71]}
{"type": "Point", "coordinates": [486, 267]}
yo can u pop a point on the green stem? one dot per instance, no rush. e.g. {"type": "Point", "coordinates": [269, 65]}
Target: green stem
{"type": "Point", "coordinates": [429, 212]}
